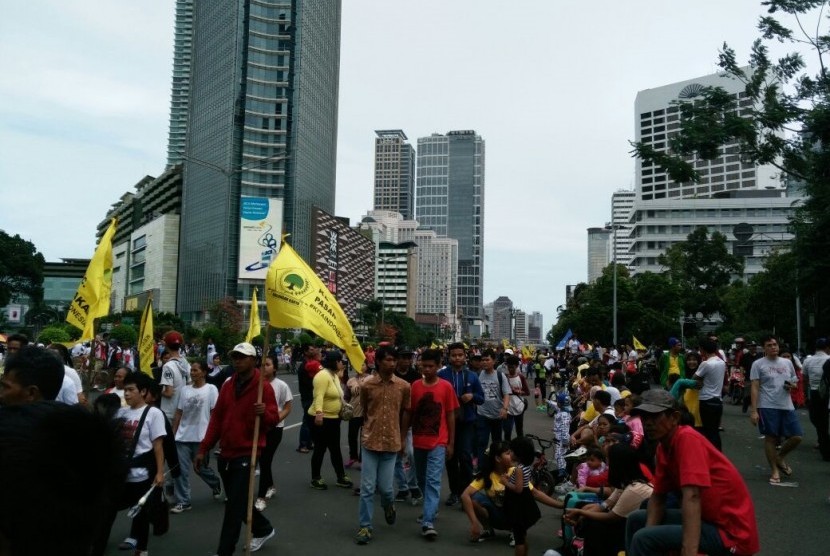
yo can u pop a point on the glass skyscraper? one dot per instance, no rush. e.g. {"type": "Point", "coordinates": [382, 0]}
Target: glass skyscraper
{"type": "Point", "coordinates": [180, 89]}
{"type": "Point", "coordinates": [262, 122]}
{"type": "Point", "coordinates": [449, 199]}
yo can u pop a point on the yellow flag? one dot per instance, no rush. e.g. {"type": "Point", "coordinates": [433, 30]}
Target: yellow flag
{"type": "Point", "coordinates": [526, 353]}
{"type": "Point", "coordinates": [253, 327]}
{"type": "Point", "coordinates": [297, 298]}
{"type": "Point", "coordinates": [146, 340]}
{"type": "Point", "coordinates": [637, 344]}
{"type": "Point", "coordinates": [92, 299]}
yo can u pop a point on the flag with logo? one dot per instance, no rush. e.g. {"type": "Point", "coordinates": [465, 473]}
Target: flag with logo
{"type": "Point", "coordinates": [146, 340]}
{"type": "Point", "coordinates": [297, 298]}
{"type": "Point", "coordinates": [92, 300]}
{"type": "Point", "coordinates": [253, 326]}
{"type": "Point", "coordinates": [637, 344]}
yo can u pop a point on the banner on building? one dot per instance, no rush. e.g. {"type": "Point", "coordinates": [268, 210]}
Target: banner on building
{"type": "Point", "coordinates": [260, 229]}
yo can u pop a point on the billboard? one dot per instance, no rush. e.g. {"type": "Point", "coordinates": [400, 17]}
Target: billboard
{"type": "Point", "coordinates": [260, 229]}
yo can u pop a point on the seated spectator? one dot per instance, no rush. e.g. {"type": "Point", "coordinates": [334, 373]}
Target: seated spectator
{"type": "Point", "coordinates": [593, 472]}
{"type": "Point", "coordinates": [483, 499]}
{"type": "Point", "coordinates": [586, 434]}
{"type": "Point", "coordinates": [602, 526]}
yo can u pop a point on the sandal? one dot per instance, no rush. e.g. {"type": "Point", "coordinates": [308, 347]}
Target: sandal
{"type": "Point", "coordinates": [775, 480]}
{"type": "Point", "coordinates": [785, 468]}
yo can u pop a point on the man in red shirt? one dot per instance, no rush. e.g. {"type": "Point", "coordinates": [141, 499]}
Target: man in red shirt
{"type": "Point", "coordinates": [434, 404]}
{"type": "Point", "coordinates": [716, 516]}
{"type": "Point", "coordinates": [231, 423]}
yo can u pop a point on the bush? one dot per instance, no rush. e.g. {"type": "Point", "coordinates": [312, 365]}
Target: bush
{"type": "Point", "coordinates": [53, 334]}
{"type": "Point", "coordinates": [124, 333]}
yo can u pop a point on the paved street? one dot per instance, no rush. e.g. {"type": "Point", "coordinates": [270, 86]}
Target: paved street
{"type": "Point", "coordinates": [791, 520]}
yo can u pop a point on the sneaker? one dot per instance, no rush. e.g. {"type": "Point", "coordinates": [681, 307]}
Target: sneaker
{"type": "Point", "coordinates": [452, 500]}
{"type": "Point", "coordinates": [390, 514]}
{"type": "Point", "coordinates": [512, 541]}
{"type": "Point", "coordinates": [270, 493]}
{"type": "Point", "coordinates": [348, 465]}
{"type": "Point", "coordinates": [402, 496]}
{"type": "Point", "coordinates": [416, 500]}
{"type": "Point", "coordinates": [218, 493]}
{"type": "Point", "coordinates": [319, 484]}
{"type": "Point", "coordinates": [257, 542]}
{"type": "Point", "coordinates": [260, 504]}
{"type": "Point", "coordinates": [364, 535]}
{"type": "Point", "coordinates": [429, 532]}
{"type": "Point", "coordinates": [179, 508]}
{"type": "Point", "coordinates": [344, 482]}
{"type": "Point", "coordinates": [128, 544]}
{"type": "Point", "coordinates": [488, 533]}
{"type": "Point", "coordinates": [577, 453]}
{"type": "Point", "coordinates": [564, 488]}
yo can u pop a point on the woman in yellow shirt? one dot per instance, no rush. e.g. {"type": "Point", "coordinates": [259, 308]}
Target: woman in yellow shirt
{"type": "Point", "coordinates": [325, 408]}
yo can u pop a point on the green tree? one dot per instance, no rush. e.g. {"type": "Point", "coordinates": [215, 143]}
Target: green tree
{"type": "Point", "coordinates": [702, 268]}
{"type": "Point", "coordinates": [226, 315]}
{"type": "Point", "coordinates": [787, 125]}
{"type": "Point", "coordinates": [124, 333]}
{"type": "Point", "coordinates": [55, 333]}
{"type": "Point", "coordinates": [21, 269]}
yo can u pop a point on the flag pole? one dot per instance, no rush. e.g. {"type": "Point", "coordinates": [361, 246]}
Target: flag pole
{"type": "Point", "coordinates": [257, 421]}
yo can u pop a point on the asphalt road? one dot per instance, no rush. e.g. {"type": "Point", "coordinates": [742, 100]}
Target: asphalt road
{"type": "Point", "coordinates": [310, 522]}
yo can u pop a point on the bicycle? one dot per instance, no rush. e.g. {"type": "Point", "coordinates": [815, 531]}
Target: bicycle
{"type": "Point", "coordinates": [541, 474]}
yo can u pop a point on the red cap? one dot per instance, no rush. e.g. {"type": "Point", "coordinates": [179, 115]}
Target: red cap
{"type": "Point", "coordinates": [173, 339]}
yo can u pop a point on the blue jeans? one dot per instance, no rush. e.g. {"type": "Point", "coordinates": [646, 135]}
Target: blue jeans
{"type": "Point", "coordinates": [487, 430]}
{"type": "Point", "coordinates": [660, 539]}
{"type": "Point", "coordinates": [377, 472]}
{"type": "Point", "coordinates": [429, 466]}
{"type": "Point", "coordinates": [405, 479]}
{"type": "Point", "coordinates": [187, 453]}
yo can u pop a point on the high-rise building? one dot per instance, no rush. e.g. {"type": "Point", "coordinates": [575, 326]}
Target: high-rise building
{"type": "Point", "coordinates": [394, 173]}
{"type": "Point", "coordinates": [622, 206]}
{"type": "Point", "coordinates": [261, 141]}
{"type": "Point", "coordinates": [450, 201]}
{"type": "Point", "coordinates": [598, 251]}
{"type": "Point", "coordinates": [180, 88]}
{"type": "Point", "coordinates": [502, 319]}
{"type": "Point", "coordinates": [520, 326]}
{"type": "Point", "coordinates": [657, 119]}
{"type": "Point", "coordinates": [535, 327]}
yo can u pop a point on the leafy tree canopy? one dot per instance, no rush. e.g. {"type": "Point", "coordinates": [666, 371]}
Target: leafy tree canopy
{"type": "Point", "coordinates": [21, 269]}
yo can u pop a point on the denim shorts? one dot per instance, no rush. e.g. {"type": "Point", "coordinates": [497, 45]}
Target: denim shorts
{"type": "Point", "coordinates": [498, 519]}
{"type": "Point", "coordinates": [782, 423]}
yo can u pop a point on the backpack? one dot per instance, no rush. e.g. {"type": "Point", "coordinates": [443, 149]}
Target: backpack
{"type": "Point", "coordinates": [824, 384]}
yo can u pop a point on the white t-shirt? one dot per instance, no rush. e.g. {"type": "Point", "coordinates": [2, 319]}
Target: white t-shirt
{"type": "Point", "coordinates": [771, 375]}
{"type": "Point", "coordinates": [67, 394]}
{"type": "Point", "coordinates": [196, 405]}
{"type": "Point", "coordinates": [74, 377]}
{"type": "Point", "coordinates": [615, 394]}
{"type": "Point", "coordinates": [283, 393]}
{"type": "Point", "coordinates": [814, 368]}
{"type": "Point", "coordinates": [77, 350]}
{"type": "Point", "coordinates": [711, 371]}
{"type": "Point", "coordinates": [175, 373]}
{"type": "Point", "coordinates": [152, 429]}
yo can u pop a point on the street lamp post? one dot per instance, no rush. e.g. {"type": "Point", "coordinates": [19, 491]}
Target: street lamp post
{"type": "Point", "coordinates": [614, 262]}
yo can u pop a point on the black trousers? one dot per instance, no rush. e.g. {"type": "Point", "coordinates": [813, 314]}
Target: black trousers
{"type": "Point", "coordinates": [711, 412]}
{"type": "Point", "coordinates": [140, 527]}
{"type": "Point", "coordinates": [819, 415]}
{"type": "Point", "coordinates": [266, 474]}
{"type": "Point", "coordinates": [354, 431]}
{"type": "Point", "coordinates": [326, 437]}
{"type": "Point", "coordinates": [235, 475]}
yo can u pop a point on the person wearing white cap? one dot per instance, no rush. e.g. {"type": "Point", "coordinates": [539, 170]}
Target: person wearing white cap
{"type": "Point", "coordinates": [230, 423]}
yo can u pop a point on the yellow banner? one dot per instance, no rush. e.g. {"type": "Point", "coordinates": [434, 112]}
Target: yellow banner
{"type": "Point", "coordinates": [92, 299]}
{"type": "Point", "coordinates": [146, 340]}
{"type": "Point", "coordinates": [297, 298]}
{"type": "Point", "coordinates": [253, 327]}
{"type": "Point", "coordinates": [637, 344]}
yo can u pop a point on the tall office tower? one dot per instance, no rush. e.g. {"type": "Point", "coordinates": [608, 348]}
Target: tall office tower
{"type": "Point", "coordinates": [657, 120]}
{"type": "Point", "coordinates": [622, 207]}
{"type": "Point", "coordinates": [180, 89]}
{"type": "Point", "coordinates": [261, 141]}
{"type": "Point", "coordinates": [535, 327]}
{"type": "Point", "coordinates": [598, 252]}
{"type": "Point", "coordinates": [450, 201]}
{"type": "Point", "coordinates": [520, 326]}
{"type": "Point", "coordinates": [394, 173]}
{"type": "Point", "coordinates": [502, 319]}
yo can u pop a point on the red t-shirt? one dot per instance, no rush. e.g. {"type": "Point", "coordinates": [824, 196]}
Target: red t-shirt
{"type": "Point", "coordinates": [429, 406]}
{"type": "Point", "coordinates": [691, 460]}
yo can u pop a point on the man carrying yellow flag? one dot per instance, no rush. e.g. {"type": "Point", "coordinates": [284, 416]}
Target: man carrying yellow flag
{"type": "Point", "coordinates": [297, 298]}
{"type": "Point", "coordinates": [92, 300]}
{"type": "Point", "coordinates": [637, 344]}
{"type": "Point", "coordinates": [146, 341]}
{"type": "Point", "coordinates": [253, 326]}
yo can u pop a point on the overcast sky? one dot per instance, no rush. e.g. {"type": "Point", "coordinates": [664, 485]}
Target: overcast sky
{"type": "Point", "coordinates": [549, 84]}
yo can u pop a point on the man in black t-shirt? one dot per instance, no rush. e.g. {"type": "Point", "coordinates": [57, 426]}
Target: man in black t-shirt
{"type": "Point", "coordinates": [406, 482]}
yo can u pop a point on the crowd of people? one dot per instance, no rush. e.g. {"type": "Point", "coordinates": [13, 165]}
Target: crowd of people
{"type": "Point", "coordinates": [638, 459]}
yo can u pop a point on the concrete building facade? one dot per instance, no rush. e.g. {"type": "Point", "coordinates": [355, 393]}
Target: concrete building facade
{"type": "Point", "coordinates": [599, 248]}
{"type": "Point", "coordinates": [394, 173]}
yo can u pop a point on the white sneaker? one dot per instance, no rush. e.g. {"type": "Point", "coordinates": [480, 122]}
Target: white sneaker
{"type": "Point", "coordinates": [270, 493]}
{"type": "Point", "coordinates": [564, 488]}
{"type": "Point", "coordinates": [260, 504]}
{"type": "Point", "coordinates": [257, 542]}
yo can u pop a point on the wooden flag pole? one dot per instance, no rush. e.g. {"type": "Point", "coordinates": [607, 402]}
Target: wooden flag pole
{"type": "Point", "coordinates": [257, 421]}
